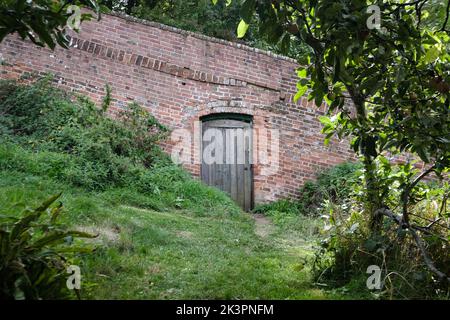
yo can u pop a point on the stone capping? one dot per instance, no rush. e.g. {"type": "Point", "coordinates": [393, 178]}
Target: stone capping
{"type": "Point", "coordinates": [199, 36]}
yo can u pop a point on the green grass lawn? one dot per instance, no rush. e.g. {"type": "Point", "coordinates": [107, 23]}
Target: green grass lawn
{"type": "Point", "coordinates": [177, 254]}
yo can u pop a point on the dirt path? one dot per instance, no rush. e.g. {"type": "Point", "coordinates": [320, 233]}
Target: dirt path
{"type": "Point", "coordinates": [263, 225]}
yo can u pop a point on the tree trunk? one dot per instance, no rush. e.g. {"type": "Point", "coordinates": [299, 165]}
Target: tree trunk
{"type": "Point", "coordinates": [373, 201]}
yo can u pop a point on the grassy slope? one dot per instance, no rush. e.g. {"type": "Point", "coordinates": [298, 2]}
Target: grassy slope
{"type": "Point", "coordinates": [145, 254]}
{"type": "Point", "coordinates": [162, 234]}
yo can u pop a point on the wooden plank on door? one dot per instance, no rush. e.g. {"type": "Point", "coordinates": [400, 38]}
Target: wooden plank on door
{"type": "Point", "coordinates": [205, 168]}
{"type": "Point", "coordinates": [226, 164]}
{"type": "Point", "coordinates": [239, 153]}
{"type": "Point", "coordinates": [232, 158]}
{"type": "Point", "coordinates": [233, 148]}
{"type": "Point", "coordinates": [247, 170]}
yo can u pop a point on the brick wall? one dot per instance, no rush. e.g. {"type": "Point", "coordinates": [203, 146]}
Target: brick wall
{"type": "Point", "coordinates": [180, 76]}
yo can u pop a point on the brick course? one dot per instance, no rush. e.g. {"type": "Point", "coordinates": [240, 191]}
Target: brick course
{"type": "Point", "coordinates": [180, 76]}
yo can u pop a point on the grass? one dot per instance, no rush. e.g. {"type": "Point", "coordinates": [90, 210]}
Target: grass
{"type": "Point", "coordinates": [176, 254]}
{"type": "Point", "coordinates": [162, 234]}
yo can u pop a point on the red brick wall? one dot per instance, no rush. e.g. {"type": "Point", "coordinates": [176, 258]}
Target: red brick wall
{"type": "Point", "coordinates": [180, 76]}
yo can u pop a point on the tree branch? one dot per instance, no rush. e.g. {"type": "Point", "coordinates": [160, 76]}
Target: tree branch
{"type": "Point", "coordinates": [442, 276]}
{"type": "Point", "coordinates": [447, 13]}
{"type": "Point", "coordinates": [407, 191]}
{"type": "Point", "coordinates": [388, 213]}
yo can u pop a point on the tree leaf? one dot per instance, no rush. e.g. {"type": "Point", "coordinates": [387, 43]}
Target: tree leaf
{"type": "Point", "coordinates": [242, 29]}
{"type": "Point", "coordinates": [302, 73]}
{"type": "Point", "coordinates": [300, 92]}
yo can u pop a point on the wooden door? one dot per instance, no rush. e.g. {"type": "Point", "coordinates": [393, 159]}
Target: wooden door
{"type": "Point", "coordinates": [226, 158]}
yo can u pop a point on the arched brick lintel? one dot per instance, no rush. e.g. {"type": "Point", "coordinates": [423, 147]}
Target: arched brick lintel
{"type": "Point", "coordinates": [259, 117]}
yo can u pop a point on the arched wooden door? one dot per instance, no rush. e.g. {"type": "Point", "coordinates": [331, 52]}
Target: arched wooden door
{"type": "Point", "coordinates": [227, 156]}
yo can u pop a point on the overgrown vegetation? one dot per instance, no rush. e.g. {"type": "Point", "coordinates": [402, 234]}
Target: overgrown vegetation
{"type": "Point", "coordinates": [46, 133]}
{"type": "Point", "coordinates": [93, 151]}
{"type": "Point", "coordinates": [161, 234]}
{"type": "Point", "coordinates": [43, 22]}
{"type": "Point", "coordinates": [384, 74]}
{"type": "Point", "coordinates": [350, 246]}
{"type": "Point", "coordinates": [346, 246]}
{"type": "Point", "coordinates": [333, 185]}
{"type": "Point", "coordinates": [35, 252]}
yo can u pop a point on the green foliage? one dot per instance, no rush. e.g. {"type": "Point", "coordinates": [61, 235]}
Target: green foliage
{"type": "Point", "coordinates": [396, 76]}
{"type": "Point", "coordinates": [194, 15]}
{"type": "Point", "coordinates": [106, 102]}
{"type": "Point", "coordinates": [83, 146]}
{"type": "Point", "coordinates": [349, 246]}
{"type": "Point", "coordinates": [242, 29]}
{"type": "Point", "coordinates": [35, 252]}
{"type": "Point", "coordinates": [41, 21]}
{"type": "Point", "coordinates": [334, 184]}
{"type": "Point", "coordinates": [46, 133]}
{"type": "Point", "coordinates": [286, 206]}
{"type": "Point", "coordinates": [387, 89]}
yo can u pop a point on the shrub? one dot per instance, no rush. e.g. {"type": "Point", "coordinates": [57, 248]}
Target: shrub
{"type": "Point", "coordinates": [349, 247]}
{"type": "Point", "coordinates": [35, 252]}
{"type": "Point", "coordinates": [72, 141]}
{"type": "Point", "coordinates": [99, 152]}
{"type": "Point", "coordinates": [334, 184]}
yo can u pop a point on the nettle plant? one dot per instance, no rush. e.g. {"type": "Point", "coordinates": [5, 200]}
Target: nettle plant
{"type": "Point", "coordinates": [383, 69]}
